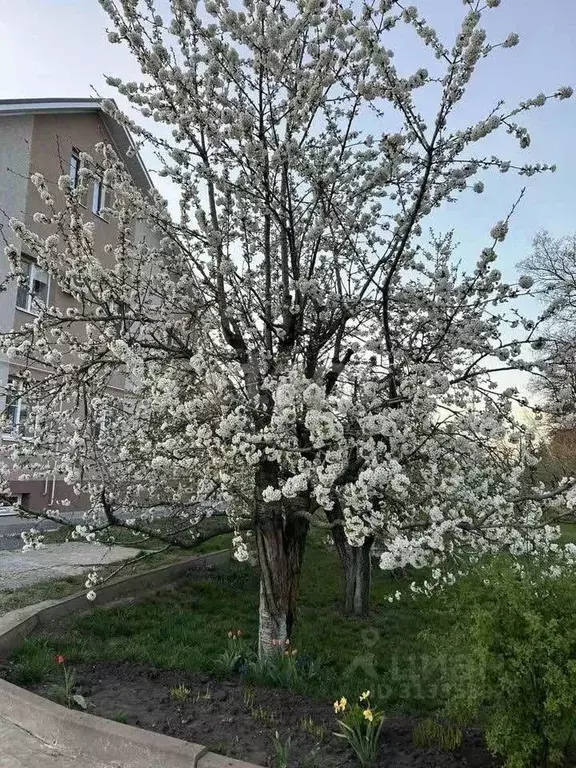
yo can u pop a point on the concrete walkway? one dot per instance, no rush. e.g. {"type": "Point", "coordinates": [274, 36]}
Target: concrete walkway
{"type": "Point", "coordinates": [21, 749]}
{"type": "Point", "coordinates": [55, 561]}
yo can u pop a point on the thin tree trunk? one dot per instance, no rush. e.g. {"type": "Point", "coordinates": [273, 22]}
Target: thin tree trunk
{"type": "Point", "coordinates": [356, 569]}
{"type": "Point", "coordinates": [344, 551]}
{"type": "Point", "coordinates": [362, 576]}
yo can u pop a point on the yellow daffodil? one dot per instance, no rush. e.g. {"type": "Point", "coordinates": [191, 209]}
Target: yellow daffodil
{"type": "Point", "coordinates": [368, 715]}
{"type": "Point", "coordinates": [364, 696]}
{"type": "Point", "coordinates": [340, 706]}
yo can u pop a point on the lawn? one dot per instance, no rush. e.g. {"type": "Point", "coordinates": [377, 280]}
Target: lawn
{"type": "Point", "coordinates": [399, 648]}
{"type": "Point", "coordinates": [186, 628]}
{"type": "Point", "coordinates": [160, 664]}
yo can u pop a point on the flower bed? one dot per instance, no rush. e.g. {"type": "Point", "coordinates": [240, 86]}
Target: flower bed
{"type": "Point", "coordinates": [178, 664]}
{"type": "Point", "coordinates": [240, 720]}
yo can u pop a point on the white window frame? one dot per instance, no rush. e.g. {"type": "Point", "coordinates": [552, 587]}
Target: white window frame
{"type": "Point", "coordinates": [75, 166]}
{"type": "Point", "coordinates": [12, 432]}
{"type": "Point", "coordinates": [98, 196]}
{"type": "Point", "coordinates": [31, 301]}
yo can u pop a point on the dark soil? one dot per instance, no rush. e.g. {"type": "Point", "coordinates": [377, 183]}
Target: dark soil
{"type": "Point", "coordinates": [238, 720]}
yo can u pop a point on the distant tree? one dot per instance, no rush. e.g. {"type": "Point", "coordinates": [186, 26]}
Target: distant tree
{"type": "Point", "coordinates": [552, 265]}
{"type": "Point", "coordinates": [293, 346]}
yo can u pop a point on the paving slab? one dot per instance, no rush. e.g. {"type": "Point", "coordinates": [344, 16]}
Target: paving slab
{"type": "Point", "coordinates": [22, 749]}
{"type": "Point", "coordinates": [55, 561]}
{"type": "Point", "coordinates": [37, 733]}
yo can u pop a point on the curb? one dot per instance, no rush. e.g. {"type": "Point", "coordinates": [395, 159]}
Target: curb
{"type": "Point", "coordinates": [78, 733]}
{"type": "Point", "coordinates": [92, 737]}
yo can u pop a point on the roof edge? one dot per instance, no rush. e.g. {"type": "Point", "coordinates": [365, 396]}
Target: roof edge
{"type": "Point", "coordinates": [36, 106]}
{"type": "Point", "coordinates": [12, 107]}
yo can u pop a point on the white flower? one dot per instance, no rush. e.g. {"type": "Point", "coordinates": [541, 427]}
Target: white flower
{"type": "Point", "coordinates": [271, 494]}
{"type": "Point", "coordinates": [478, 187]}
{"type": "Point", "coordinates": [240, 549]}
{"type": "Point", "coordinates": [565, 92]}
{"type": "Point", "coordinates": [499, 231]}
{"type": "Point", "coordinates": [294, 485]}
{"type": "Point", "coordinates": [91, 595]}
{"type": "Point", "coordinates": [526, 282]}
{"type": "Point", "coordinates": [512, 40]}
{"type": "Point", "coordinates": [52, 240]}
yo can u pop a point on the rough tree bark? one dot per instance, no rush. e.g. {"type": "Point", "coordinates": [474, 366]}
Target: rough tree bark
{"type": "Point", "coordinates": [281, 534]}
{"type": "Point", "coordinates": [356, 569]}
{"type": "Point", "coordinates": [358, 579]}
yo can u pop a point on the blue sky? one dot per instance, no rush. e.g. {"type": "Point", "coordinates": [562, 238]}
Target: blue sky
{"type": "Point", "coordinates": [59, 48]}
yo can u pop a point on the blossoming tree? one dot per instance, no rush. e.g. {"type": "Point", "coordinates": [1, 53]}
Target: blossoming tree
{"type": "Point", "coordinates": [289, 344]}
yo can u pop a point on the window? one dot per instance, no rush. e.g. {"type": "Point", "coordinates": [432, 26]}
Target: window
{"type": "Point", "coordinates": [98, 196]}
{"type": "Point", "coordinates": [99, 426]}
{"type": "Point", "coordinates": [102, 420]}
{"type": "Point", "coordinates": [75, 168]}
{"type": "Point", "coordinates": [33, 291]}
{"type": "Point", "coordinates": [12, 505]}
{"type": "Point", "coordinates": [16, 410]}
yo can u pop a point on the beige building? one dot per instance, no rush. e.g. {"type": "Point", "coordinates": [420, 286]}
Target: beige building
{"type": "Point", "coordinates": [47, 136]}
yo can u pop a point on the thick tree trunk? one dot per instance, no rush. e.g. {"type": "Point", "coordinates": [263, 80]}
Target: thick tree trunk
{"type": "Point", "coordinates": [272, 627]}
{"type": "Point", "coordinates": [356, 569]}
{"type": "Point", "coordinates": [281, 537]}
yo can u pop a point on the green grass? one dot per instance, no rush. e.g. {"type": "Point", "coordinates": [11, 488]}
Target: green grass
{"type": "Point", "coordinates": [35, 664]}
{"type": "Point", "coordinates": [186, 628]}
{"type": "Point", "coordinates": [37, 593]}
{"type": "Point", "coordinates": [568, 532]}
{"type": "Point", "coordinates": [119, 717]}
{"type": "Point", "coordinates": [399, 652]}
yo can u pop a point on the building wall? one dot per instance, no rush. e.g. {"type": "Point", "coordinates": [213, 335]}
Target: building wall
{"type": "Point", "coordinates": [39, 495]}
{"type": "Point", "coordinates": [43, 144]}
{"type": "Point", "coordinates": [53, 138]}
{"type": "Point", "coordinates": [15, 146]}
